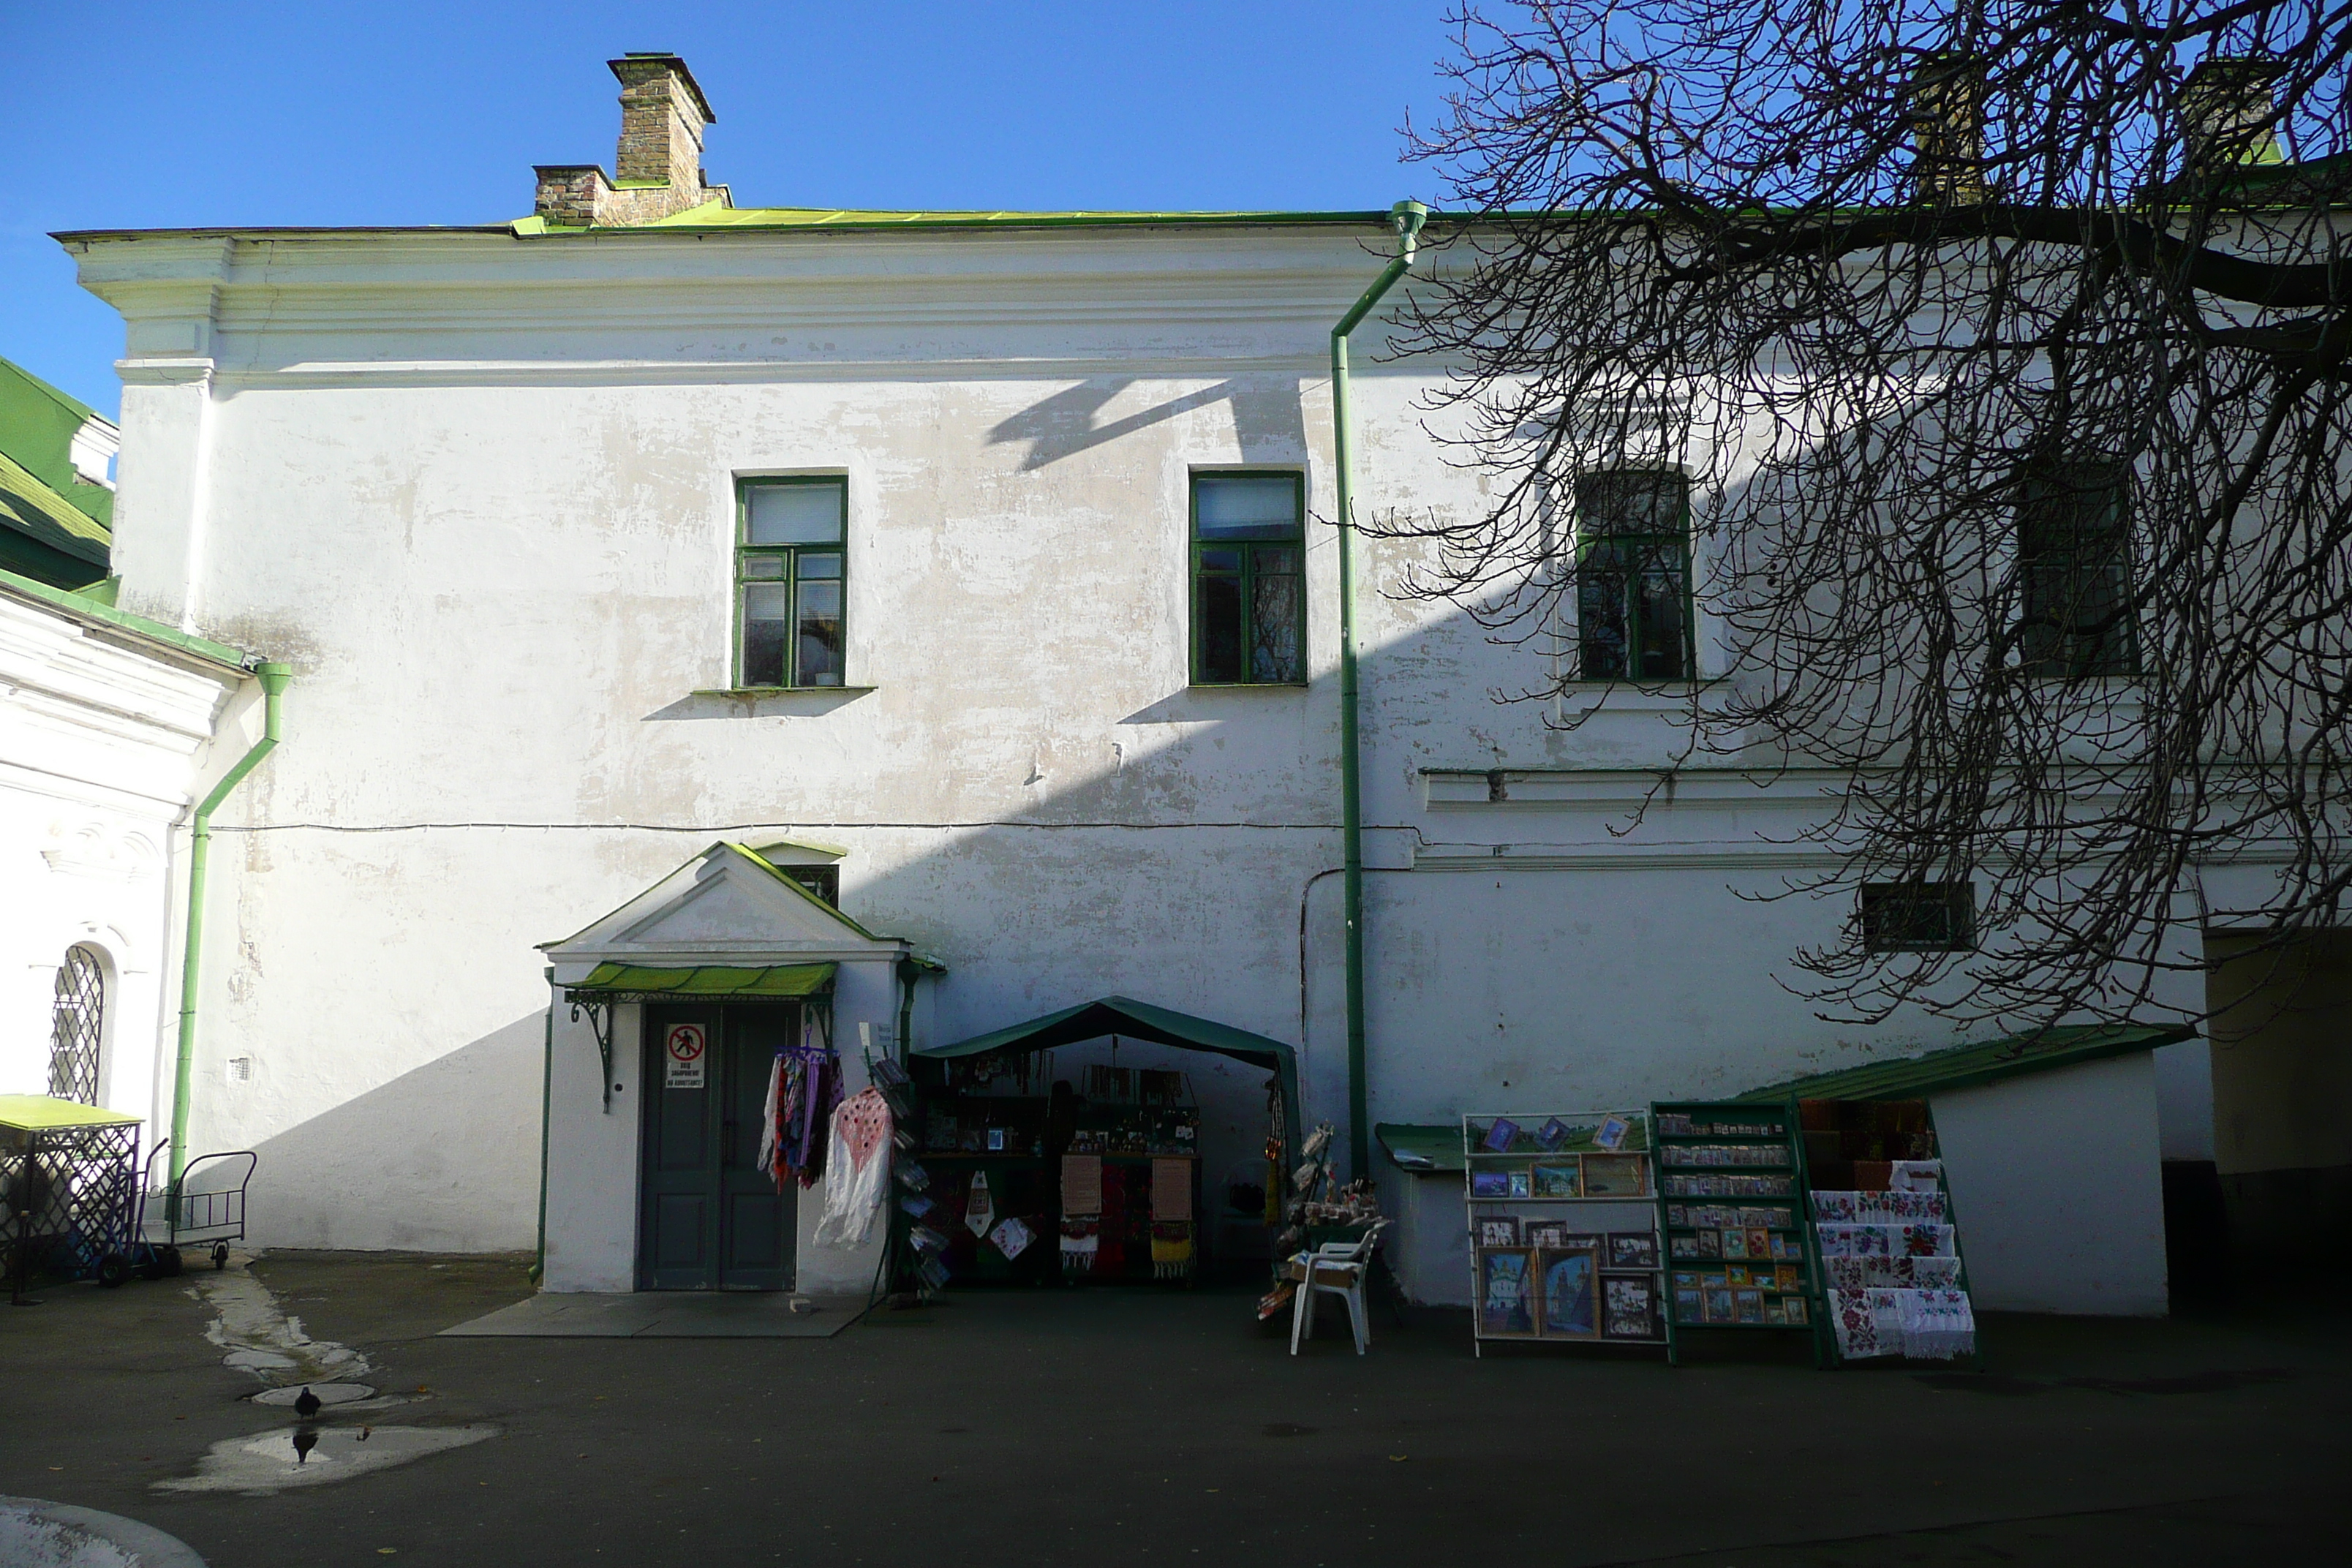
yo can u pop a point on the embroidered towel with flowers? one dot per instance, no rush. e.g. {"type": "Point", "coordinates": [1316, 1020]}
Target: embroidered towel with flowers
{"type": "Point", "coordinates": [1887, 1236]}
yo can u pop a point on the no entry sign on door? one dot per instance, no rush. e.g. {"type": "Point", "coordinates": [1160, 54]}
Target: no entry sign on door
{"type": "Point", "coordinates": [685, 1050]}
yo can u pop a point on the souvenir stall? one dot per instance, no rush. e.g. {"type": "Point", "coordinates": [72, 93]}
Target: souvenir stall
{"type": "Point", "coordinates": [1564, 1241]}
{"type": "Point", "coordinates": [1740, 1256]}
{"type": "Point", "coordinates": [1026, 1165]}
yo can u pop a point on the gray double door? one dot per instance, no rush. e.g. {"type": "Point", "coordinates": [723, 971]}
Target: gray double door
{"type": "Point", "coordinates": [708, 1219]}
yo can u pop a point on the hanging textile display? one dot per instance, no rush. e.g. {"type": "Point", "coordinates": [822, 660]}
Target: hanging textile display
{"type": "Point", "coordinates": [857, 1172]}
{"type": "Point", "coordinates": [979, 1209]}
{"type": "Point", "coordinates": [1082, 1202]}
{"type": "Point", "coordinates": [1171, 1218]}
{"type": "Point", "coordinates": [803, 1090]}
{"type": "Point", "coordinates": [1012, 1238]}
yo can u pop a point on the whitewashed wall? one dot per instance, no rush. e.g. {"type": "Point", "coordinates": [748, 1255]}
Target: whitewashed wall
{"type": "Point", "coordinates": [103, 742]}
{"type": "Point", "coordinates": [478, 491]}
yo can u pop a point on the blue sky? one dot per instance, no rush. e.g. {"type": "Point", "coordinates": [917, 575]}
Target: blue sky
{"type": "Point", "coordinates": [157, 116]}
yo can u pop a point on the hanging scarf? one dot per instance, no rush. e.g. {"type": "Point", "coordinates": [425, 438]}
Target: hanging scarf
{"type": "Point", "coordinates": [771, 1142]}
{"type": "Point", "coordinates": [858, 1173]}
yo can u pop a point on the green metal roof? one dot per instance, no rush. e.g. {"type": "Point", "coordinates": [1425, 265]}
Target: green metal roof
{"type": "Point", "coordinates": [1126, 1017]}
{"type": "Point", "coordinates": [29, 506]}
{"type": "Point", "coordinates": [39, 1113]}
{"type": "Point", "coordinates": [1971, 1066]}
{"type": "Point", "coordinates": [711, 982]}
{"type": "Point", "coordinates": [37, 427]}
{"type": "Point", "coordinates": [1422, 1148]}
{"type": "Point", "coordinates": [710, 215]}
{"type": "Point", "coordinates": [83, 607]}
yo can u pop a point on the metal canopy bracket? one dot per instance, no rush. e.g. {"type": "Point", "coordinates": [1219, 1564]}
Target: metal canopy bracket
{"type": "Point", "coordinates": [600, 1020]}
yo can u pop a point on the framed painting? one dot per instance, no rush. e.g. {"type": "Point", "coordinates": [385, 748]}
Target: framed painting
{"type": "Point", "coordinates": [1629, 1308]}
{"type": "Point", "coordinates": [1506, 1291]}
{"type": "Point", "coordinates": [1571, 1307]}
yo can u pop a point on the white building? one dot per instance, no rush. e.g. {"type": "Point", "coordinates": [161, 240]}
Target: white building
{"type": "Point", "coordinates": [519, 504]}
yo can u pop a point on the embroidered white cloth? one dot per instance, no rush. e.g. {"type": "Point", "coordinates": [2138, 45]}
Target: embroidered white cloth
{"type": "Point", "coordinates": [855, 1175]}
{"type": "Point", "coordinates": [1919, 1325]}
{"type": "Point", "coordinates": [1916, 1176]}
{"type": "Point", "coordinates": [1856, 1325]}
{"type": "Point", "coordinates": [1877, 1208]}
{"type": "Point", "coordinates": [1894, 1273]}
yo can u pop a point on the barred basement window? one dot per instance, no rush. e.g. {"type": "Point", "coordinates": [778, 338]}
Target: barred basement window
{"type": "Point", "coordinates": [1918, 916]}
{"type": "Point", "coordinates": [789, 563]}
{"type": "Point", "coordinates": [1632, 576]}
{"type": "Point", "coordinates": [1249, 581]}
{"type": "Point", "coordinates": [77, 1025]}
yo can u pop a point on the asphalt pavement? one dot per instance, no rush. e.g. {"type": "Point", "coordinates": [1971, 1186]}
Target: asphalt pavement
{"type": "Point", "coordinates": [1117, 1426]}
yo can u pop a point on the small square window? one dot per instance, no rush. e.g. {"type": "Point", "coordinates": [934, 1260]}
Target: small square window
{"type": "Point", "coordinates": [788, 575]}
{"type": "Point", "coordinates": [1918, 916]}
{"type": "Point", "coordinates": [824, 881]}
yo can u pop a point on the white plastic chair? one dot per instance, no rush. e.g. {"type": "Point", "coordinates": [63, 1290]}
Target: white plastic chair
{"type": "Point", "coordinates": [1336, 1269]}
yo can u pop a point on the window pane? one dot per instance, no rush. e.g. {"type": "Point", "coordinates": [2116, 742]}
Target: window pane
{"type": "Point", "coordinates": [1245, 506]}
{"type": "Point", "coordinates": [1917, 917]}
{"type": "Point", "coordinates": [792, 514]}
{"type": "Point", "coordinates": [1630, 501]}
{"type": "Point", "coordinates": [1602, 630]}
{"type": "Point", "coordinates": [819, 565]}
{"type": "Point", "coordinates": [763, 566]}
{"type": "Point", "coordinates": [1217, 627]}
{"type": "Point", "coordinates": [767, 616]}
{"type": "Point", "coordinates": [1273, 619]}
{"type": "Point", "coordinates": [820, 634]}
{"type": "Point", "coordinates": [1662, 617]}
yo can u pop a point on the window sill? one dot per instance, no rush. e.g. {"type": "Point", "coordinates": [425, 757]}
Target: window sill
{"type": "Point", "coordinates": [745, 692]}
{"type": "Point", "coordinates": [1246, 686]}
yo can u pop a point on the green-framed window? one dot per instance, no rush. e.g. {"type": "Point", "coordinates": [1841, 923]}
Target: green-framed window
{"type": "Point", "coordinates": [789, 578]}
{"type": "Point", "coordinates": [1634, 618]}
{"type": "Point", "coordinates": [1249, 579]}
{"type": "Point", "coordinates": [2073, 544]}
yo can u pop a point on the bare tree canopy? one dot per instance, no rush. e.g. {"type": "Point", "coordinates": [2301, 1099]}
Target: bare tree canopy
{"type": "Point", "coordinates": [1978, 377]}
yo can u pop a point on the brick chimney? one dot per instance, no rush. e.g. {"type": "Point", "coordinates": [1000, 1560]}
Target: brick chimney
{"type": "Point", "coordinates": [2229, 112]}
{"type": "Point", "coordinates": [658, 168]}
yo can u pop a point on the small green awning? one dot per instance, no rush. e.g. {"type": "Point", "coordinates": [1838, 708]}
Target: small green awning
{"type": "Point", "coordinates": [702, 983]}
{"type": "Point", "coordinates": [39, 1113]}
{"type": "Point", "coordinates": [1425, 1151]}
{"type": "Point", "coordinates": [1971, 1066]}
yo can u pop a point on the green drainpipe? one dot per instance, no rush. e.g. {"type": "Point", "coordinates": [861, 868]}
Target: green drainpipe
{"type": "Point", "coordinates": [1406, 218]}
{"type": "Point", "coordinates": [274, 677]}
{"type": "Point", "coordinates": [546, 1109]}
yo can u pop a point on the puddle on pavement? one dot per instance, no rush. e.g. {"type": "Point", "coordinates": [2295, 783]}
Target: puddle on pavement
{"type": "Point", "coordinates": [329, 1394]}
{"type": "Point", "coordinates": [261, 1338]}
{"type": "Point", "coordinates": [316, 1456]}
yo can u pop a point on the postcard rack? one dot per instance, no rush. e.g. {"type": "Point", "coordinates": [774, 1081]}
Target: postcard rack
{"type": "Point", "coordinates": [1564, 1245]}
{"type": "Point", "coordinates": [1894, 1281]}
{"type": "Point", "coordinates": [1739, 1255]}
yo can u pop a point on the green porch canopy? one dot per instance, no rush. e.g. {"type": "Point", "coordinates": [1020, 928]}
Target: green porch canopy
{"type": "Point", "coordinates": [702, 983]}
{"type": "Point", "coordinates": [1133, 1020]}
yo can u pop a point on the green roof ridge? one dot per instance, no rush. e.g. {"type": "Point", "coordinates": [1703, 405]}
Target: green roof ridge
{"type": "Point", "coordinates": [1973, 1065]}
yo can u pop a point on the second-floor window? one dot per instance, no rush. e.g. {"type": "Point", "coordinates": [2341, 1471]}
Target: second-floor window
{"type": "Point", "coordinates": [788, 581]}
{"type": "Point", "coordinates": [1249, 579]}
{"type": "Point", "coordinates": [1632, 576]}
{"type": "Point", "coordinates": [2074, 571]}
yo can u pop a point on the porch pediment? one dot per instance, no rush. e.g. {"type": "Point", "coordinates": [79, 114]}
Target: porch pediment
{"type": "Point", "coordinates": [726, 903]}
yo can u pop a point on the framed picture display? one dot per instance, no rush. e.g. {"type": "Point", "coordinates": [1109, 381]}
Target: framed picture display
{"type": "Point", "coordinates": [1507, 1293]}
{"type": "Point", "coordinates": [1522, 1186]}
{"type": "Point", "coordinates": [1490, 1184]}
{"type": "Point", "coordinates": [1497, 1231]}
{"type": "Point", "coordinates": [1629, 1307]}
{"type": "Point", "coordinates": [1616, 1176]}
{"type": "Point", "coordinates": [1562, 1180]}
{"type": "Point", "coordinates": [1500, 1135]}
{"type": "Point", "coordinates": [1570, 1283]}
{"type": "Point", "coordinates": [1551, 1233]}
{"type": "Point", "coordinates": [1633, 1249]}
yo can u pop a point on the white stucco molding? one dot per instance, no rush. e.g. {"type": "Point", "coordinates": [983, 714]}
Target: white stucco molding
{"type": "Point", "coordinates": [725, 906]}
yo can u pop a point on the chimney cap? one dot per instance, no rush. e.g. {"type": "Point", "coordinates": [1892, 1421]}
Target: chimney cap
{"type": "Point", "coordinates": [630, 66]}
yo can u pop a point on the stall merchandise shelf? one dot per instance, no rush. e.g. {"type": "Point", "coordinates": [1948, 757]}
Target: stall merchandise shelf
{"type": "Point", "coordinates": [1716, 1279]}
{"type": "Point", "coordinates": [1541, 1273]}
{"type": "Point", "coordinates": [1826, 1118]}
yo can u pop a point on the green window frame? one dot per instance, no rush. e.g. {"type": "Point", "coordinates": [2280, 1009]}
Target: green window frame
{"type": "Point", "coordinates": [2073, 551]}
{"type": "Point", "coordinates": [1248, 577]}
{"type": "Point", "coordinates": [792, 582]}
{"type": "Point", "coordinates": [1634, 617]}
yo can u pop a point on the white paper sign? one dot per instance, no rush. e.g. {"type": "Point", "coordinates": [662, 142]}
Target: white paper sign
{"type": "Point", "coordinates": [685, 1056]}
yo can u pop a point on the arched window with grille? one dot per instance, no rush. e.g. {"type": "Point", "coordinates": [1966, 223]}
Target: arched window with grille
{"type": "Point", "coordinates": [77, 1019]}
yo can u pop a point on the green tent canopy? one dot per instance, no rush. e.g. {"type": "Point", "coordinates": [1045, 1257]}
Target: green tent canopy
{"type": "Point", "coordinates": [1133, 1020]}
